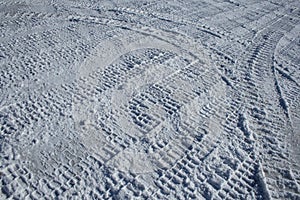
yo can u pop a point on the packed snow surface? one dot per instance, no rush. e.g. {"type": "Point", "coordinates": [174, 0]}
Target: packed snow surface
{"type": "Point", "coordinates": [139, 99]}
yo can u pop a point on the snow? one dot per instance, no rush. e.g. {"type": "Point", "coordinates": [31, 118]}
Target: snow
{"type": "Point", "coordinates": [149, 99]}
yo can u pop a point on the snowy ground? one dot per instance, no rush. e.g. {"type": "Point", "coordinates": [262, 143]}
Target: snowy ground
{"type": "Point", "coordinates": [150, 99]}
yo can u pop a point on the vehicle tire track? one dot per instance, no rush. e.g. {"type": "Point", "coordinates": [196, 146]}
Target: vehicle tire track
{"type": "Point", "coordinates": [268, 123]}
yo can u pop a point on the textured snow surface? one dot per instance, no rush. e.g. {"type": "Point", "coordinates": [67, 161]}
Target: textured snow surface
{"type": "Point", "coordinates": [150, 99]}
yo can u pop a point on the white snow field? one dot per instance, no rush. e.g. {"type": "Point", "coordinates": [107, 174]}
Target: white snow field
{"type": "Point", "coordinates": [150, 99]}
